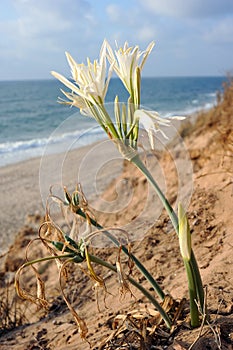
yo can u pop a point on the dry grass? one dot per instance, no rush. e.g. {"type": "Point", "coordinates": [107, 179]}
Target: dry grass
{"type": "Point", "coordinates": [12, 310]}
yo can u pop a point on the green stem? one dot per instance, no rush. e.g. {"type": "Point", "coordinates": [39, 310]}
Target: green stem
{"type": "Point", "coordinates": [174, 219]}
{"type": "Point", "coordinates": [31, 262]}
{"type": "Point", "coordinates": [102, 117]}
{"type": "Point", "coordinates": [194, 313]}
{"type": "Point", "coordinates": [138, 264]}
{"type": "Point", "coordinates": [198, 283]}
{"type": "Point", "coordinates": [139, 164]}
{"type": "Point", "coordinates": [108, 122]}
{"type": "Point", "coordinates": [162, 312]}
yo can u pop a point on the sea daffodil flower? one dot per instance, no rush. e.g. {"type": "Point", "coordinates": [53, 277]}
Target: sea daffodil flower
{"type": "Point", "coordinates": [89, 89]}
{"type": "Point", "coordinates": [90, 84]}
{"type": "Point", "coordinates": [128, 62]}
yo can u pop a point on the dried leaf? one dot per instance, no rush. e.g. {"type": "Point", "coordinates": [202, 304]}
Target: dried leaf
{"type": "Point", "coordinates": [82, 327]}
{"type": "Point", "coordinates": [124, 286]}
{"type": "Point", "coordinates": [39, 300]}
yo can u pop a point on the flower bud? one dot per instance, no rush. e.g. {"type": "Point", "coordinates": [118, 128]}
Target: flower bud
{"type": "Point", "coordinates": [184, 234]}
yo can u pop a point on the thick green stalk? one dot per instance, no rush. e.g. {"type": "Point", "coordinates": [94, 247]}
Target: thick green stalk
{"type": "Point", "coordinates": [194, 313]}
{"type": "Point", "coordinates": [139, 164]}
{"type": "Point", "coordinates": [108, 122]}
{"type": "Point", "coordinates": [138, 264]}
{"type": "Point", "coordinates": [174, 219]}
{"type": "Point", "coordinates": [198, 283]}
{"type": "Point", "coordinates": [160, 309]}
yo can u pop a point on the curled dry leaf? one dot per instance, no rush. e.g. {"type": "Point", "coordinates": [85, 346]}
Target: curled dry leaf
{"type": "Point", "coordinates": [82, 327]}
{"type": "Point", "coordinates": [124, 286]}
{"type": "Point", "coordinates": [39, 299]}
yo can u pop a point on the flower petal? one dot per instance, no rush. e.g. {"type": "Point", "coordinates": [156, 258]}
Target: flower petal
{"type": "Point", "coordinates": [151, 122]}
{"type": "Point", "coordinates": [65, 81]}
{"type": "Point", "coordinates": [126, 61]}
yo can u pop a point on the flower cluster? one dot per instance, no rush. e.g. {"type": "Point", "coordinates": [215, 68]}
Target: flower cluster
{"type": "Point", "coordinates": [88, 92]}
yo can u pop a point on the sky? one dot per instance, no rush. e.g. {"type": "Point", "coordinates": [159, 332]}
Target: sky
{"type": "Point", "coordinates": [192, 37]}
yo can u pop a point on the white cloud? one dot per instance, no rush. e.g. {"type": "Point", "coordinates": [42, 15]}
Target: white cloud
{"type": "Point", "coordinates": [146, 33]}
{"type": "Point", "coordinates": [114, 12]}
{"type": "Point", "coordinates": [36, 18]}
{"type": "Point", "coordinates": [127, 22]}
{"type": "Point", "coordinates": [45, 26]}
{"type": "Point", "coordinates": [191, 8]}
{"type": "Point", "coordinates": [221, 32]}
{"type": "Point", "coordinates": [35, 33]}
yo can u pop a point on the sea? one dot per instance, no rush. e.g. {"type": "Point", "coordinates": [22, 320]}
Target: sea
{"type": "Point", "coordinates": [32, 122]}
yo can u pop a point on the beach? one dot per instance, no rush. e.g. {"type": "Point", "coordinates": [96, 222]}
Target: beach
{"type": "Point", "coordinates": [24, 187]}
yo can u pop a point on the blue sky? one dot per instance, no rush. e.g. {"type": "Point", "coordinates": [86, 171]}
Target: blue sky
{"type": "Point", "coordinates": [193, 37]}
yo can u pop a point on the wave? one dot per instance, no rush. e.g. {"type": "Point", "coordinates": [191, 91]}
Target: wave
{"type": "Point", "coordinates": [61, 140]}
{"type": "Point", "coordinates": [15, 151]}
{"type": "Point", "coordinates": [38, 143]}
{"type": "Point", "coordinates": [184, 106]}
{"type": "Point", "coordinates": [21, 145]}
{"type": "Point", "coordinates": [193, 109]}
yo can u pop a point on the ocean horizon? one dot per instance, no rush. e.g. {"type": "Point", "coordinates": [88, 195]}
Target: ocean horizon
{"type": "Point", "coordinates": [31, 119]}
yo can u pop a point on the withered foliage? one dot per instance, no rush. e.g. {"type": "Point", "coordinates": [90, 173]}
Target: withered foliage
{"type": "Point", "coordinates": [69, 241]}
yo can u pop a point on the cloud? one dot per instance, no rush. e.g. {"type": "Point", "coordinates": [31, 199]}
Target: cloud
{"type": "Point", "coordinates": [60, 8]}
{"type": "Point", "coordinates": [221, 32]}
{"type": "Point", "coordinates": [40, 19]}
{"type": "Point", "coordinates": [127, 22]}
{"type": "Point", "coordinates": [114, 12]}
{"type": "Point", "coordinates": [55, 16]}
{"type": "Point", "coordinates": [46, 24]}
{"type": "Point", "coordinates": [146, 33]}
{"type": "Point", "coordinates": [35, 34]}
{"type": "Point", "coordinates": [191, 8]}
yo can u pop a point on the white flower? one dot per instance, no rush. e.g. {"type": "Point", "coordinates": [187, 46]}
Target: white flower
{"type": "Point", "coordinates": [127, 61]}
{"type": "Point", "coordinates": [90, 82]}
{"type": "Point", "coordinates": [152, 123]}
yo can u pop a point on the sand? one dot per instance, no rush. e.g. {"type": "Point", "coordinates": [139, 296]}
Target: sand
{"type": "Point", "coordinates": [209, 142]}
{"type": "Point", "coordinates": [24, 186]}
